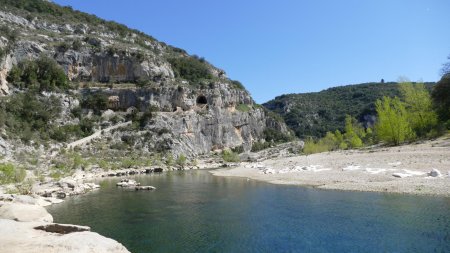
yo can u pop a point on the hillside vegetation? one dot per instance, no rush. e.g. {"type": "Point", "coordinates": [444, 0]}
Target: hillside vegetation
{"type": "Point", "coordinates": [315, 114]}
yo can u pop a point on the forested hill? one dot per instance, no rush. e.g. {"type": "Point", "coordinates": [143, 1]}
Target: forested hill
{"type": "Point", "coordinates": [313, 114]}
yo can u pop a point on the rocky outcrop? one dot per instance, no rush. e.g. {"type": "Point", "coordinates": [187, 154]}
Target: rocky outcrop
{"type": "Point", "coordinates": [198, 120]}
{"type": "Point", "coordinates": [27, 227]}
{"type": "Point", "coordinates": [28, 237]}
{"type": "Point", "coordinates": [194, 115]}
{"type": "Point", "coordinates": [24, 212]}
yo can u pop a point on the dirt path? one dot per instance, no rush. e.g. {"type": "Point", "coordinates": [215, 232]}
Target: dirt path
{"type": "Point", "coordinates": [95, 135]}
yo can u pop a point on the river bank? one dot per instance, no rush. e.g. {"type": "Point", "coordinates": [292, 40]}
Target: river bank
{"type": "Point", "coordinates": [421, 169]}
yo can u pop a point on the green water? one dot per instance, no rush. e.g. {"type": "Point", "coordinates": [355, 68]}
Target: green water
{"type": "Point", "coordinates": [194, 211]}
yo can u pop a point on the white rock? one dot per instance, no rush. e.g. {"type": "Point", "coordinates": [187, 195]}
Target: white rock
{"type": "Point", "coordinates": [435, 173]}
{"type": "Point", "coordinates": [351, 168]}
{"type": "Point", "coordinates": [414, 172]}
{"type": "Point", "coordinates": [23, 237]}
{"type": "Point", "coordinates": [24, 212]}
{"type": "Point", "coordinates": [375, 171]}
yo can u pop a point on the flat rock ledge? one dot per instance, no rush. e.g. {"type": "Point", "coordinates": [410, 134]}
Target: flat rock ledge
{"type": "Point", "coordinates": [28, 228]}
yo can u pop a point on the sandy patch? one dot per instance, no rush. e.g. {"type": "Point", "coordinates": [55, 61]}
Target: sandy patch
{"type": "Point", "coordinates": [404, 169]}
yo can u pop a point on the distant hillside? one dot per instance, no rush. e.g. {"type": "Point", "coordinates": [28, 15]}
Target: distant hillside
{"type": "Point", "coordinates": [313, 114]}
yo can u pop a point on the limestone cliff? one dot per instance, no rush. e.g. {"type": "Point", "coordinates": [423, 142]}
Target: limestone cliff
{"type": "Point", "coordinates": [198, 107]}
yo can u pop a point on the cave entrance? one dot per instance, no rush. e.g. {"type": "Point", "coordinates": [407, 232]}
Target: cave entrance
{"type": "Point", "coordinates": [201, 100]}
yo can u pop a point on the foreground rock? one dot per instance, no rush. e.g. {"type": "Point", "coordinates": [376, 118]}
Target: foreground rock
{"type": "Point", "coordinates": [25, 238]}
{"type": "Point", "coordinates": [24, 212]}
{"type": "Point", "coordinates": [27, 228]}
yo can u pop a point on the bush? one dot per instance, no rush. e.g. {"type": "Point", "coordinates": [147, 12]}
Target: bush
{"type": "Point", "coordinates": [421, 116]}
{"type": "Point", "coordinates": [181, 160]}
{"type": "Point", "coordinates": [276, 136]}
{"type": "Point", "coordinates": [230, 156]}
{"type": "Point", "coordinates": [312, 147]}
{"type": "Point", "coordinates": [9, 174]}
{"type": "Point", "coordinates": [238, 85]}
{"type": "Point", "coordinates": [258, 146]}
{"type": "Point", "coordinates": [190, 68]}
{"type": "Point", "coordinates": [76, 45]}
{"type": "Point", "coordinates": [243, 108]}
{"type": "Point", "coordinates": [42, 74]}
{"type": "Point", "coordinates": [28, 115]}
{"type": "Point", "coordinates": [96, 101]}
{"type": "Point", "coordinates": [392, 126]}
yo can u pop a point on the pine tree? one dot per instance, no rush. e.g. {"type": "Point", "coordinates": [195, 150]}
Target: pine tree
{"type": "Point", "coordinates": [392, 125]}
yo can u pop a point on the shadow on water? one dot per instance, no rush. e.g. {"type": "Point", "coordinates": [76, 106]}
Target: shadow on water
{"type": "Point", "coordinates": [194, 211]}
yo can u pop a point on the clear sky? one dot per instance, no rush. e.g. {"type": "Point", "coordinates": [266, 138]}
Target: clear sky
{"type": "Point", "coordinates": [294, 46]}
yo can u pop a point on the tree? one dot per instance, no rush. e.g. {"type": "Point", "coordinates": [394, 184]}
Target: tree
{"type": "Point", "coordinates": [441, 99]}
{"type": "Point", "coordinates": [353, 132]}
{"type": "Point", "coordinates": [43, 74]}
{"type": "Point", "coordinates": [419, 107]}
{"type": "Point", "coordinates": [446, 67]}
{"type": "Point", "coordinates": [392, 125]}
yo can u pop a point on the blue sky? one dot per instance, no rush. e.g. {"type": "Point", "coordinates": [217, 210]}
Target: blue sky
{"type": "Point", "coordinates": [296, 46]}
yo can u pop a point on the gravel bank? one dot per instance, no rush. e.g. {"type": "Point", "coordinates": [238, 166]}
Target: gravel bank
{"type": "Point", "coordinates": [404, 169]}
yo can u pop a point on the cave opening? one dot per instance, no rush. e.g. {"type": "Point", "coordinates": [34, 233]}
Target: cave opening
{"type": "Point", "coordinates": [201, 100]}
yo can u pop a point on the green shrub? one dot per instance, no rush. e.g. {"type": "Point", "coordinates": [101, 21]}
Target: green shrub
{"type": "Point", "coordinates": [181, 160]}
{"type": "Point", "coordinates": [258, 146]}
{"type": "Point", "coordinates": [10, 174]}
{"type": "Point", "coordinates": [76, 45]}
{"type": "Point", "coordinates": [312, 147]}
{"type": "Point", "coordinates": [28, 115]}
{"type": "Point", "coordinates": [392, 125]}
{"type": "Point", "coordinates": [190, 68]}
{"type": "Point", "coordinates": [42, 74]}
{"type": "Point", "coordinates": [238, 85]}
{"type": "Point", "coordinates": [230, 156]}
{"type": "Point", "coordinates": [276, 136]}
{"type": "Point", "coordinates": [96, 101]}
{"type": "Point", "coordinates": [243, 108]}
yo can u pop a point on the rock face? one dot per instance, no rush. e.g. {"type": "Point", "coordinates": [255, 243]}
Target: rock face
{"type": "Point", "coordinates": [199, 120]}
{"type": "Point", "coordinates": [194, 115]}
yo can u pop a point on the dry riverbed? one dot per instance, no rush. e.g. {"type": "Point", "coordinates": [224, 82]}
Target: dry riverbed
{"type": "Point", "coordinates": [404, 169]}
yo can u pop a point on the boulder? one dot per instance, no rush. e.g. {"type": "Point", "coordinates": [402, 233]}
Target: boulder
{"type": "Point", "coordinates": [435, 173]}
{"type": "Point", "coordinates": [61, 195]}
{"type": "Point", "coordinates": [127, 183]}
{"type": "Point", "coordinates": [24, 212]}
{"type": "Point", "coordinates": [144, 187]}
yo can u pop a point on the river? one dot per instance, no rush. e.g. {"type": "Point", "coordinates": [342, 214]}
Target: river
{"type": "Point", "coordinates": [194, 211]}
